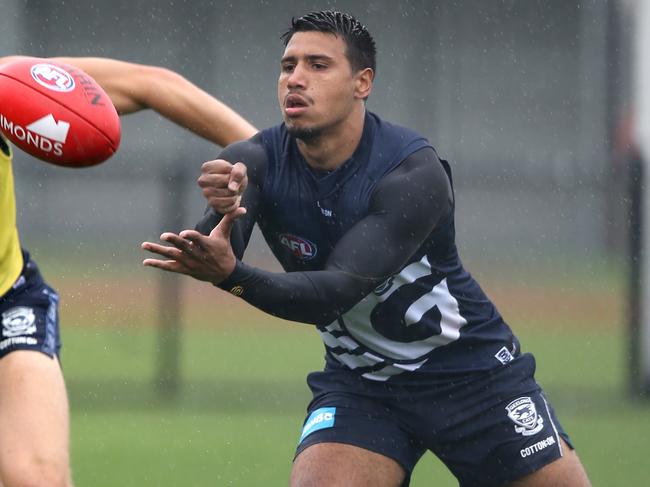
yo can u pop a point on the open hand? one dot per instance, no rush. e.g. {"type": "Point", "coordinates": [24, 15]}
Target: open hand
{"type": "Point", "coordinates": [206, 258]}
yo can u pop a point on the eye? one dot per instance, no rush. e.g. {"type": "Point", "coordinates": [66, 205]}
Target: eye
{"type": "Point", "coordinates": [319, 66]}
{"type": "Point", "coordinates": [287, 67]}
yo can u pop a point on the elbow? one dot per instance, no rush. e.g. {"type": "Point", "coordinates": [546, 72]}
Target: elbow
{"type": "Point", "coordinates": [151, 79]}
{"type": "Point", "coordinates": [162, 75]}
{"type": "Point", "coordinates": [151, 82]}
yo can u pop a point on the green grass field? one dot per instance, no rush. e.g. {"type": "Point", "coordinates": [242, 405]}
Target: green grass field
{"type": "Point", "coordinates": [236, 421]}
{"type": "Point", "coordinates": [238, 412]}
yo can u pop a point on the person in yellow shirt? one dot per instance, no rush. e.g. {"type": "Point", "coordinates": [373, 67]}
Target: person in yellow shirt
{"type": "Point", "coordinates": [34, 419]}
{"type": "Point", "coordinates": [10, 257]}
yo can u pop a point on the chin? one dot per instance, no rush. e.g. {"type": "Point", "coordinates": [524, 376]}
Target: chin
{"type": "Point", "coordinates": [303, 133]}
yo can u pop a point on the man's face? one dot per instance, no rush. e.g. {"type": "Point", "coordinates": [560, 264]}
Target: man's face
{"type": "Point", "coordinates": [316, 88]}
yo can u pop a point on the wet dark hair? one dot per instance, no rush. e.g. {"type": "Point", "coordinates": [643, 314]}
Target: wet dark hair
{"type": "Point", "coordinates": [361, 51]}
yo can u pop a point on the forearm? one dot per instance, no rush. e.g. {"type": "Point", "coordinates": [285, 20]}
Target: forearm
{"type": "Point", "coordinates": [316, 297]}
{"type": "Point", "coordinates": [374, 249]}
{"type": "Point", "coordinates": [133, 87]}
{"type": "Point", "coordinates": [184, 103]}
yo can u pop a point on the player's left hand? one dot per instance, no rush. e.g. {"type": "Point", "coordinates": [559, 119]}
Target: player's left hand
{"type": "Point", "coordinates": [206, 258]}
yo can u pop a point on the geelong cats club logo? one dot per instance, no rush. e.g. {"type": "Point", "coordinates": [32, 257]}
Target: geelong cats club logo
{"type": "Point", "coordinates": [18, 321]}
{"type": "Point", "coordinates": [300, 247]}
{"type": "Point", "coordinates": [523, 413]}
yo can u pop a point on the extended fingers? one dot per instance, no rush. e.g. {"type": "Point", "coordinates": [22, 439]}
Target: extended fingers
{"type": "Point", "coordinates": [177, 241]}
{"type": "Point", "coordinates": [172, 264]}
{"type": "Point", "coordinates": [195, 239]}
{"type": "Point", "coordinates": [165, 265]}
{"type": "Point", "coordinates": [182, 249]}
{"type": "Point", "coordinates": [224, 228]}
{"type": "Point", "coordinates": [163, 250]}
{"type": "Point", "coordinates": [191, 235]}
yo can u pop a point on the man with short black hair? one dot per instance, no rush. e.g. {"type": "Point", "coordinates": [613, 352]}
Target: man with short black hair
{"type": "Point", "coordinates": [360, 213]}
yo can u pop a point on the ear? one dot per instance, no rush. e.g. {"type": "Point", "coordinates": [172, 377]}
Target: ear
{"type": "Point", "coordinates": [363, 83]}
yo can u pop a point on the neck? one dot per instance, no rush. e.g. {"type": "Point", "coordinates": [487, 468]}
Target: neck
{"type": "Point", "coordinates": [334, 146]}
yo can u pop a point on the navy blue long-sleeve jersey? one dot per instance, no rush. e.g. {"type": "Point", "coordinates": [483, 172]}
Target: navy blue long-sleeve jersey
{"type": "Point", "coordinates": [370, 256]}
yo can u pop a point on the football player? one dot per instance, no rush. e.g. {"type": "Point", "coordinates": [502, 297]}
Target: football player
{"type": "Point", "coordinates": [360, 213]}
{"type": "Point", "coordinates": [34, 433]}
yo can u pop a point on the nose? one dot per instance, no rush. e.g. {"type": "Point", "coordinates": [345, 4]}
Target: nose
{"type": "Point", "coordinates": [297, 77]}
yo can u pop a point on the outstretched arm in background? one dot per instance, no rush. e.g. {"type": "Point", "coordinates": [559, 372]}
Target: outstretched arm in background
{"type": "Point", "coordinates": [133, 87]}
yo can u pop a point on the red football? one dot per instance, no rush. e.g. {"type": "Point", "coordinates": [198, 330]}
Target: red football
{"type": "Point", "coordinates": [57, 113]}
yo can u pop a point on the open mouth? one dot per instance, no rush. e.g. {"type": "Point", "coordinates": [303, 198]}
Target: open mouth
{"type": "Point", "coordinates": [295, 104]}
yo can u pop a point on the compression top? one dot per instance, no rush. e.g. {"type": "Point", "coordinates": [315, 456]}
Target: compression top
{"type": "Point", "coordinates": [370, 256]}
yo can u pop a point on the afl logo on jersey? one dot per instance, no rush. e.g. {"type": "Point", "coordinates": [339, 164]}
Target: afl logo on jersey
{"type": "Point", "coordinates": [300, 247]}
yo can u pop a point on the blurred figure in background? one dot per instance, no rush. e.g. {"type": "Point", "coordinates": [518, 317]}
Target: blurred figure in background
{"type": "Point", "coordinates": [34, 418]}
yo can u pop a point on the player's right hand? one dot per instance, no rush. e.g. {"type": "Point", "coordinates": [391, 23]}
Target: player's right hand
{"type": "Point", "coordinates": [222, 184]}
{"type": "Point", "coordinates": [205, 257]}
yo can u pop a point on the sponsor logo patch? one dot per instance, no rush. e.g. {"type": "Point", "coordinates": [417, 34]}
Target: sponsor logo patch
{"type": "Point", "coordinates": [52, 77]}
{"type": "Point", "coordinates": [504, 356]}
{"type": "Point", "coordinates": [537, 447]}
{"type": "Point", "coordinates": [237, 290]}
{"type": "Point", "coordinates": [523, 413]}
{"type": "Point", "coordinates": [7, 342]}
{"type": "Point", "coordinates": [300, 247]}
{"type": "Point", "coordinates": [318, 420]}
{"type": "Point", "coordinates": [18, 321]}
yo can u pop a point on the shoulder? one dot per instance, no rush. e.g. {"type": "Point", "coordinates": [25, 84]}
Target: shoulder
{"type": "Point", "coordinates": [250, 151]}
{"type": "Point", "coordinates": [394, 143]}
{"type": "Point", "coordinates": [392, 127]}
{"type": "Point", "coordinates": [396, 133]}
{"type": "Point", "coordinates": [265, 143]}
{"type": "Point", "coordinates": [423, 162]}
{"type": "Point", "coordinates": [420, 175]}
{"type": "Point", "coordinates": [248, 147]}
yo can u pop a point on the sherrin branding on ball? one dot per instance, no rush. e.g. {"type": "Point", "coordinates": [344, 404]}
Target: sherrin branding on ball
{"type": "Point", "coordinates": [57, 113]}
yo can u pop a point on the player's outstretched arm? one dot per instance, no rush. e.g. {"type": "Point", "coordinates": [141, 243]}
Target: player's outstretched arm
{"type": "Point", "coordinates": [133, 87]}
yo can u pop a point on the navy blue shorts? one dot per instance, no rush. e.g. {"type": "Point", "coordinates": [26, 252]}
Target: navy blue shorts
{"type": "Point", "coordinates": [29, 314]}
{"type": "Point", "coordinates": [488, 429]}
